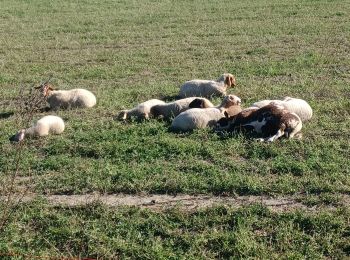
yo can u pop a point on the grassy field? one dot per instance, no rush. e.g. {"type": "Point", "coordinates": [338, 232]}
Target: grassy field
{"type": "Point", "coordinates": [127, 52]}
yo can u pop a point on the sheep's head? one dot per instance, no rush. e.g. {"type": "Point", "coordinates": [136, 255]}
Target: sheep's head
{"type": "Point", "coordinates": [122, 115]}
{"type": "Point", "coordinates": [228, 79]}
{"type": "Point", "coordinates": [18, 137]}
{"type": "Point", "coordinates": [231, 100]}
{"type": "Point", "coordinates": [45, 89]}
{"type": "Point", "coordinates": [223, 123]}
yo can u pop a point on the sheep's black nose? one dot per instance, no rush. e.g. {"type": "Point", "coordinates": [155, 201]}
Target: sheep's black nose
{"type": "Point", "coordinates": [13, 138]}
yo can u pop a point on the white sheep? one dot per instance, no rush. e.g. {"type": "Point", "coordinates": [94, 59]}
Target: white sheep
{"type": "Point", "coordinates": [44, 126]}
{"type": "Point", "coordinates": [200, 118]}
{"type": "Point", "coordinates": [271, 122]}
{"type": "Point", "coordinates": [207, 88]}
{"type": "Point", "coordinates": [67, 98]}
{"type": "Point", "coordinates": [295, 105]}
{"type": "Point", "coordinates": [172, 109]}
{"type": "Point", "coordinates": [140, 112]}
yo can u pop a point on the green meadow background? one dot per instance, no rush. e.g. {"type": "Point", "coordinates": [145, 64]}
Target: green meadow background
{"type": "Point", "coordinates": [127, 52]}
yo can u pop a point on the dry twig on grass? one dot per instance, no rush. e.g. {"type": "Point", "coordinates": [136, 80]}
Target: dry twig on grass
{"type": "Point", "coordinates": [28, 103]}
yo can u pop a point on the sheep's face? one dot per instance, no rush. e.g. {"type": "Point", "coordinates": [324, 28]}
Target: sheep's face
{"type": "Point", "coordinates": [223, 122]}
{"type": "Point", "coordinates": [122, 115]}
{"type": "Point", "coordinates": [45, 89]}
{"type": "Point", "coordinates": [231, 100]}
{"type": "Point", "coordinates": [230, 80]}
{"type": "Point", "coordinates": [18, 137]}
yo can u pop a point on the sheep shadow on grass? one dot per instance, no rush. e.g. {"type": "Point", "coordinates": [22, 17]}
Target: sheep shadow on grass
{"type": "Point", "coordinates": [236, 132]}
{"type": "Point", "coordinates": [170, 98]}
{"type": "Point", "coordinates": [5, 115]}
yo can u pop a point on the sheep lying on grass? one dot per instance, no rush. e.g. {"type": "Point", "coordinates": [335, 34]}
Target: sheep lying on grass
{"type": "Point", "coordinates": [44, 126]}
{"type": "Point", "coordinates": [201, 118]}
{"type": "Point", "coordinates": [67, 98]}
{"type": "Point", "coordinates": [294, 105]}
{"type": "Point", "coordinates": [207, 88]}
{"type": "Point", "coordinates": [140, 112]}
{"type": "Point", "coordinates": [271, 122]}
{"type": "Point", "coordinates": [173, 109]}
{"type": "Point", "coordinates": [202, 103]}
{"type": "Point", "coordinates": [225, 122]}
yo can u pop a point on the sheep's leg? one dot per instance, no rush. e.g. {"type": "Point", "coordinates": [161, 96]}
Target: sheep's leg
{"type": "Point", "coordinates": [145, 116]}
{"type": "Point", "coordinates": [296, 131]}
{"type": "Point", "coordinates": [298, 136]}
{"type": "Point", "coordinates": [279, 133]}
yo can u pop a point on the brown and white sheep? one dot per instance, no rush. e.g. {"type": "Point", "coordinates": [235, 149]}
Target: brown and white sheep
{"type": "Point", "coordinates": [270, 122]}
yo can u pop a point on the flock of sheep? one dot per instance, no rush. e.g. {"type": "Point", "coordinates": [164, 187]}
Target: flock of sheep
{"type": "Point", "coordinates": [268, 119]}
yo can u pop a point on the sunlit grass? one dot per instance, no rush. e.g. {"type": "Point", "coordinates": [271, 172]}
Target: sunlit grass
{"type": "Point", "coordinates": [127, 52]}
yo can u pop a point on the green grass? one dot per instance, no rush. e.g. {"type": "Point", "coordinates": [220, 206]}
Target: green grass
{"type": "Point", "coordinates": [127, 52]}
{"type": "Point", "coordinates": [220, 232]}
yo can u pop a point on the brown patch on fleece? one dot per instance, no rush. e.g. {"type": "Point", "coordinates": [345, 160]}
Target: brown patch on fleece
{"type": "Point", "coordinates": [233, 110]}
{"type": "Point", "coordinates": [197, 103]}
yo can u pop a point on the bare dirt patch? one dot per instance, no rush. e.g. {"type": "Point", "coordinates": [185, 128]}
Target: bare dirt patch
{"type": "Point", "coordinates": [184, 202]}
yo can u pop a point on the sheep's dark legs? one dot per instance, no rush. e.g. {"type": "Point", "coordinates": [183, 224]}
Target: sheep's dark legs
{"type": "Point", "coordinates": [298, 136]}
{"type": "Point", "coordinates": [296, 131]}
{"type": "Point", "coordinates": [279, 133]}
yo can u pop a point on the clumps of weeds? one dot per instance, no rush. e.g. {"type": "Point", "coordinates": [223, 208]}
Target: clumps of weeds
{"type": "Point", "coordinates": [31, 101]}
{"type": "Point", "coordinates": [27, 104]}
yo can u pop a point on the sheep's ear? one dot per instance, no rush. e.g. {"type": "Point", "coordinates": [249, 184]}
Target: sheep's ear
{"type": "Point", "coordinates": [121, 115]}
{"type": "Point", "coordinates": [232, 81]}
{"type": "Point", "coordinates": [227, 81]}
